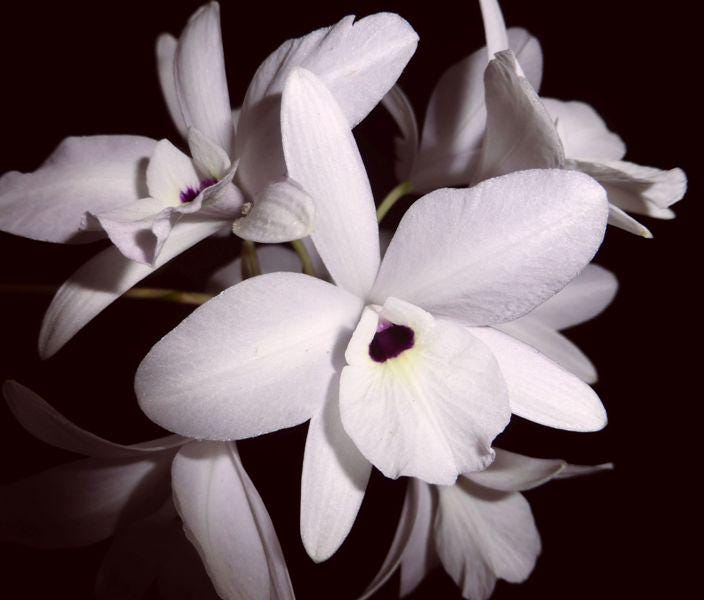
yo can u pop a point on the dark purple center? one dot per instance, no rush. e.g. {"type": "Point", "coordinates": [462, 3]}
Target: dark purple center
{"type": "Point", "coordinates": [389, 341]}
{"type": "Point", "coordinates": [190, 194]}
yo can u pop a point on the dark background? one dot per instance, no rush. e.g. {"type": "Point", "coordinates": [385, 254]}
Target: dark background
{"type": "Point", "coordinates": [75, 68]}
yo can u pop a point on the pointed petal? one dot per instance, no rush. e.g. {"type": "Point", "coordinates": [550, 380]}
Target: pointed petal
{"type": "Point", "coordinates": [582, 299]}
{"type": "Point", "coordinates": [552, 344]}
{"type": "Point", "coordinates": [512, 472]}
{"type": "Point", "coordinates": [282, 212]}
{"type": "Point", "coordinates": [210, 159]}
{"type": "Point", "coordinates": [165, 56]}
{"type": "Point", "coordinates": [483, 535]}
{"type": "Point", "coordinates": [103, 279]}
{"type": "Point", "coordinates": [225, 519]}
{"type": "Point", "coordinates": [322, 156]}
{"type": "Point", "coordinates": [522, 222]}
{"type": "Point", "coordinates": [259, 357]}
{"type": "Point", "coordinates": [541, 391]}
{"type": "Point", "coordinates": [494, 27]}
{"type": "Point", "coordinates": [95, 173]}
{"type": "Point", "coordinates": [333, 483]}
{"type": "Point", "coordinates": [272, 259]}
{"type": "Point", "coordinates": [82, 502]}
{"type": "Point", "coordinates": [583, 132]}
{"type": "Point", "coordinates": [201, 83]}
{"type": "Point", "coordinates": [579, 470]}
{"type": "Point", "coordinates": [620, 219]}
{"type": "Point", "coordinates": [49, 426]}
{"type": "Point", "coordinates": [431, 411]}
{"type": "Point", "coordinates": [170, 173]}
{"type": "Point", "coordinates": [400, 109]}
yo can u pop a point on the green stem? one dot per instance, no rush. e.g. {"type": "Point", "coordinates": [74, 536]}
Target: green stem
{"type": "Point", "coordinates": [304, 256]}
{"type": "Point", "coordinates": [392, 197]}
{"type": "Point", "coordinates": [250, 261]}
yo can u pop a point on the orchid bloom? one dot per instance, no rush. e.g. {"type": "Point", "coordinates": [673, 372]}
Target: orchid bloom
{"type": "Point", "coordinates": [396, 364]}
{"type": "Point", "coordinates": [154, 214]}
{"type": "Point", "coordinates": [481, 529]}
{"type": "Point", "coordinates": [476, 129]}
{"type": "Point", "coordinates": [136, 493]}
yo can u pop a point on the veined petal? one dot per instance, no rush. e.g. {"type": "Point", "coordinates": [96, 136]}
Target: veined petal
{"type": "Point", "coordinates": [582, 299]}
{"type": "Point", "coordinates": [226, 520]}
{"type": "Point", "coordinates": [333, 483]}
{"type": "Point", "coordinates": [49, 426]}
{"type": "Point", "coordinates": [552, 344]}
{"type": "Point", "coordinates": [519, 131]}
{"type": "Point", "coordinates": [540, 390]}
{"type": "Point", "coordinates": [583, 132]}
{"type": "Point", "coordinates": [209, 158]}
{"type": "Point", "coordinates": [482, 535]}
{"type": "Point", "coordinates": [282, 212]}
{"type": "Point", "coordinates": [103, 279]}
{"type": "Point", "coordinates": [201, 83]}
{"type": "Point", "coordinates": [491, 253]}
{"type": "Point", "coordinates": [322, 156]}
{"type": "Point", "coordinates": [165, 53]}
{"type": "Point", "coordinates": [429, 411]}
{"type": "Point", "coordinates": [400, 109]}
{"type": "Point", "coordinates": [511, 472]}
{"type": "Point", "coordinates": [259, 357]}
{"type": "Point", "coordinates": [272, 259]}
{"type": "Point", "coordinates": [89, 500]}
{"type": "Point", "coordinates": [95, 173]}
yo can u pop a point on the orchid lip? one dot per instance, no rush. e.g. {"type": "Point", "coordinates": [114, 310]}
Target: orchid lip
{"type": "Point", "coordinates": [190, 193]}
{"type": "Point", "coordinates": [390, 340]}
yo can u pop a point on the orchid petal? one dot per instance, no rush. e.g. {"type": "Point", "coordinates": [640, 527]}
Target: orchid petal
{"type": "Point", "coordinates": [333, 483]}
{"type": "Point", "coordinates": [170, 173]}
{"type": "Point", "coordinates": [579, 470]}
{"type": "Point", "coordinates": [89, 500]}
{"type": "Point", "coordinates": [400, 109]}
{"type": "Point", "coordinates": [282, 212]}
{"type": "Point", "coordinates": [103, 279]}
{"type": "Point", "coordinates": [201, 83]}
{"type": "Point", "coordinates": [322, 156]}
{"type": "Point", "coordinates": [165, 56]}
{"type": "Point", "coordinates": [272, 259]}
{"type": "Point", "coordinates": [511, 472]}
{"type": "Point", "coordinates": [209, 158]}
{"type": "Point", "coordinates": [618, 218]}
{"type": "Point", "coordinates": [49, 426]}
{"type": "Point", "coordinates": [482, 535]}
{"type": "Point", "coordinates": [540, 390]}
{"type": "Point", "coordinates": [583, 132]}
{"type": "Point", "coordinates": [226, 520]}
{"type": "Point", "coordinates": [95, 173]}
{"type": "Point", "coordinates": [494, 27]}
{"type": "Point", "coordinates": [582, 299]}
{"type": "Point", "coordinates": [552, 344]}
{"type": "Point", "coordinates": [259, 357]}
{"type": "Point", "coordinates": [431, 411]}
{"type": "Point", "coordinates": [446, 249]}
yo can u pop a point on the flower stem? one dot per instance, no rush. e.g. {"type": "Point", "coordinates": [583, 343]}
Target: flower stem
{"type": "Point", "coordinates": [250, 261]}
{"type": "Point", "coordinates": [392, 197]}
{"type": "Point", "coordinates": [304, 256]}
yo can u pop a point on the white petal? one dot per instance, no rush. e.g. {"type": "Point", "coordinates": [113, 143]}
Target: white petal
{"type": "Point", "coordinates": [412, 547]}
{"type": "Point", "coordinates": [579, 470]}
{"type": "Point", "coordinates": [165, 54]}
{"type": "Point", "coordinates": [272, 259]}
{"type": "Point", "coordinates": [170, 173]}
{"type": "Point", "coordinates": [95, 173]}
{"type": "Point", "coordinates": [201, 83]}
{"type": "Point", "coordinates": [483, 535]}
{"type": "Point", "coordinates": [618, 218]}
{"type": "Point", "coordinates": [227, 522]}
{"type": "Point", "coordinates": [583, 132]}
{"type": "Point", "coordinates": [259, 357]}
{"type": "Point", "coordinates": [103, 279]}
{"type": "Point", "coordinates": [333, 483]}
{"type": "Point", "coordinates": [46, 424]}
{"type": "Point", "coordinates": [430, 412]}
{"type": "Point", "coordinates": [541, 391]}
{"type": "Point", "coordinates": [519, 131]}
{"type": "Point", "coordinates": [512, 472]}
{"type": "Point", "coordinates": [498, 249]}
{"type": "Point", "coordinates": [552, 344]}
{"type": "Point", "coordinates": [399, 107]}
{"type": "Point", "coordinates": [322, 156]}
{"type": "Point", "coordinates": [82, 502]}
{"type": "Point", "coordinates": [210, 159]}
{"type": "Point", "coordinates": [580, 300]}
{"type": "Point", "coordinates": [282, 212]}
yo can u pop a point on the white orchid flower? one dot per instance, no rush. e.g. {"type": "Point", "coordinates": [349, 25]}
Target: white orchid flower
{"type": "Point", "coordinates": [134, 492]}
{"type": "Point", "coordinates": [481, 529]}
{"type": "Point", "coordinates": [154, 214]}
{"type": "Point", "coordinates": [482, 123]}
{"type": "Point", "coordinates": [396, 365]}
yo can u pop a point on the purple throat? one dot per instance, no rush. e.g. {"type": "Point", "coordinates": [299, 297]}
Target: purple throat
{"type": "Point", "coordinates": [190, 194]}
{"type": "Point", "coordinates": [389, 341]}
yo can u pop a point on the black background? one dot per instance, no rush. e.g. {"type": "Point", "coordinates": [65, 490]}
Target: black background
{"type": "Point", "coordinates": [74, 68]}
